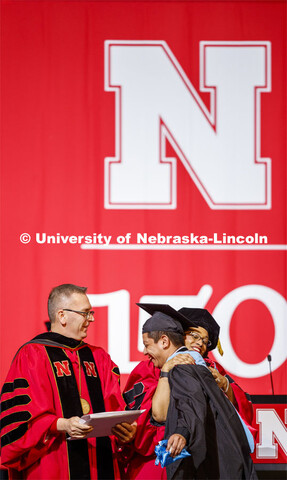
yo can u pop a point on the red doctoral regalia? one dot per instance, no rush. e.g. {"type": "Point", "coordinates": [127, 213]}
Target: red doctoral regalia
{"type": "Point", "coordinates": [42, 386]}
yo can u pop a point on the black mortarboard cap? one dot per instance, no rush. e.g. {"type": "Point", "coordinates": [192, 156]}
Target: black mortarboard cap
{"type": "Point", "coordinates": [164, 318]}
{"type": "Point", "coordinates": [200, 317]}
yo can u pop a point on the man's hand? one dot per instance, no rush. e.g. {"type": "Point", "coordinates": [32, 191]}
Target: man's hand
{"type": "Point", "coordinates": [180, 359]}
{"type": "Point", "coordinates": [73, 427]}
{"type": "Point", "coordinates": [125, 432]}
{"type": "Point", "coordinates": [175, 444]}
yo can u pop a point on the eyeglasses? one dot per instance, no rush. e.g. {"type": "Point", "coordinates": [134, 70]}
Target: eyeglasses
{"type": "Point", "coordinates": [87, 315]}
{"type": "Point", "coordinates": [196, 336]}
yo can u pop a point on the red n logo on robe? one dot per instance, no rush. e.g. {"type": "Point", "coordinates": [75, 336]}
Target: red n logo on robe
{"type": "Point", "coordinates": [62, 368]}
{"type": "Point", "coordinates": [90, 369]}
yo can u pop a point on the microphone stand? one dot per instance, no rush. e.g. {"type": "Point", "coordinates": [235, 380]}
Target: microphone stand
{"type": "Point", "coordinates": [270, 373]}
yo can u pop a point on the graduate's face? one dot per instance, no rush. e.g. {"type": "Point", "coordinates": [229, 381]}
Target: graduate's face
{"type": "Point", "coordinates": [156, 352]}
{"type": "Point", "coordinates": [197, 344]}
{"type": "Point", "coordinates": [75, 324]}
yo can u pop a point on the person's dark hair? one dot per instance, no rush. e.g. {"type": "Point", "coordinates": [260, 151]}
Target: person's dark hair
{"type": "Point", "coordinates": [176, 339]}
{"type": "Point", "coordinates": [58, 294]}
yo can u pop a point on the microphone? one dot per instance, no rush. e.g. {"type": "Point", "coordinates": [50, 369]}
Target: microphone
{"type": "Point", "coordinates": [270, 372]}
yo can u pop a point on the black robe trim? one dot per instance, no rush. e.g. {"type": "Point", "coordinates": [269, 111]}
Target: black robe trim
{"type": "Point", "coordinates": [10, 387]}
{"type": "Point", "coordinates": [103, 445]}
{"type": "Point", "coordinates": [16, 417]}
{"type": "Point", "coordinates": [57, 339]}
{"type": "Point", "coordinates": [134, 397]}
{"type": "Point", "coordinates": [78, 457]}
{"type": "Point", "coordinates": [14, 434]}
{"type": "Point", "coordinates": [54, 340]}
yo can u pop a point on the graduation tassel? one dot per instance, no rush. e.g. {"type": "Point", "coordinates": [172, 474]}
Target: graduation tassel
{"type": "Point", "coordinates": [219, 348]}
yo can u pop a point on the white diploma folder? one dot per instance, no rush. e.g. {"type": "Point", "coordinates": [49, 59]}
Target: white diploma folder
{"type": "Point", "coordinates": [103, 422]}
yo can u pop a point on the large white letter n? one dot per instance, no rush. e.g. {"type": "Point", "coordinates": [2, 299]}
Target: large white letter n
{"type": "Point", "coordinates": [220, 147]}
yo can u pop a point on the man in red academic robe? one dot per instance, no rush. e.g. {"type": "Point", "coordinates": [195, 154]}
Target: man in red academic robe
{"type": "Point", "coordinates": [54, 379]}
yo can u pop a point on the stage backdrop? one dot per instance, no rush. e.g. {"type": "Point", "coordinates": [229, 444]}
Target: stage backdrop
{"type": "Point", "coordinates": [144, 156]}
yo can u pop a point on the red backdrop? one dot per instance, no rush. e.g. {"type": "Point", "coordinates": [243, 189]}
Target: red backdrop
{"type": "Point", "coordinates": [84, 82]}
